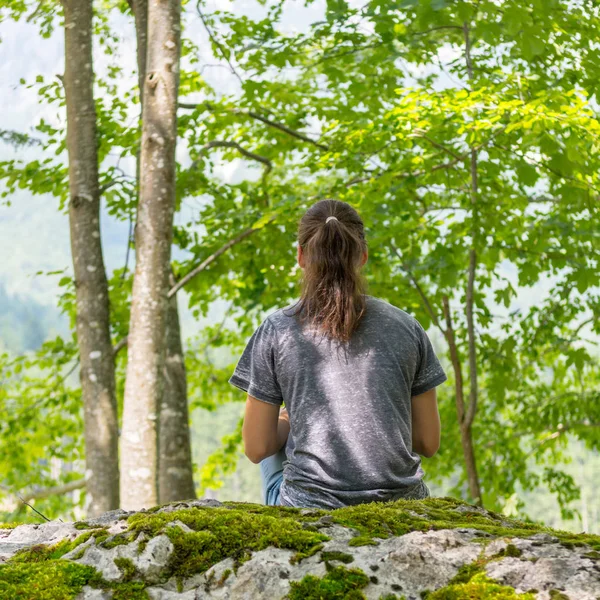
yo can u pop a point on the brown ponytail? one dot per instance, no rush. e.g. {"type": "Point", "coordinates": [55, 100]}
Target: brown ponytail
{"type": "Point", "coordinates": [333, 287]}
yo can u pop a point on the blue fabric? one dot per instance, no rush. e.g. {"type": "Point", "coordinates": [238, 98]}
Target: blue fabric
{"type": "Point", "coordinates": [271, 469]}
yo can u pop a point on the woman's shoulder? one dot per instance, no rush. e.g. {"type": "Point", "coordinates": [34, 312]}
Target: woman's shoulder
{"type": "Point", "coordinates": [377, 309]}
{"type": "Point", "coordinates": [385, 309]}
{"type": "Point", "coordinates": [281, 318]}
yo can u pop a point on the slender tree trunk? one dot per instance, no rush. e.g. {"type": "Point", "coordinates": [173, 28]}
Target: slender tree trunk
{"type": "Point", "coordinates": [175, 470]}
{"type": "Point", "coordinates": [140, 13]}
{"type": "Point", "coordinates": [154, 231]}
{"type": "Point", "coordinates": [466, 436]}
{"type": "Point", "coordinates": [471, 409]}
{"type": "Point", "coordinates": [93, 326]}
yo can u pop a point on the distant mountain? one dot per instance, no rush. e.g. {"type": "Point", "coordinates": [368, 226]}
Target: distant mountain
{"type": "Point", "coordinates": [25, 323]}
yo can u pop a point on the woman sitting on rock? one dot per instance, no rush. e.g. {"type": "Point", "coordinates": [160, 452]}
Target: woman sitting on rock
{"type": "Point", "coordinates": [357, 376]}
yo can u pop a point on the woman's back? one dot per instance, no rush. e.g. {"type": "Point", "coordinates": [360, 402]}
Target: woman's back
{"type": "Point", "coordinates": [349, 404]}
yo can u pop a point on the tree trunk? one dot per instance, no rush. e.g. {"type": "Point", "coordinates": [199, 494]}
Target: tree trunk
{"type": "Point", "coordinates": [93, 326]}
{"type": "Point", "coordinates": [153, 236]}
{"type": "Point", "coordinates": [140, 13]}
{"type": "Point", "coordinates": [469, 416]}
{"type": "Point", "coordinates": [466, 436]}
{"type": "Point", "coordinates": [175, 470]}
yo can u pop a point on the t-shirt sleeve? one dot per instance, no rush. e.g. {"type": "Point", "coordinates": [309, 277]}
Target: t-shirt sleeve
{"type": "Point", "coordinates": [255, 370]}
{"type": "Point", "coordinates": [429, 373]}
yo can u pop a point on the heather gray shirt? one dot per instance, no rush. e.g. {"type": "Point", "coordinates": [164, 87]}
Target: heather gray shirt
{"type": "Point", "coordinates": [349, 407]}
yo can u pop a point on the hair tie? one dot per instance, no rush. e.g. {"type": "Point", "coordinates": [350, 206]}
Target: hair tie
{"type": "Point", "coordinates": [332, 217]}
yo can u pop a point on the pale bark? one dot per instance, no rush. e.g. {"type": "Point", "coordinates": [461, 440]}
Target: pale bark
{"type": "Point", "coordinates": [153, 237]}
{"type": "Point", "coordinates": [140, 13]}
{"type": "Point", "coordinates": [91, 289]}
{"type": "Point", "coordinates": [175, 470]}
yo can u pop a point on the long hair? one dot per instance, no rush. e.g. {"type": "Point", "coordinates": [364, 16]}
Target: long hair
{"type": "Point", "coordinates": [333, 288]}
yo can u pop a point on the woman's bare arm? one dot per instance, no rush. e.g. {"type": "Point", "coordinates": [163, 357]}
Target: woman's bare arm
{"type": "Point", "coordinates": [426, 426]}
{"type": "Point", "coordinates": [265, 430]}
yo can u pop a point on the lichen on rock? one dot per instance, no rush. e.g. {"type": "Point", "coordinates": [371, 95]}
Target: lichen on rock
{"type": "Point", "coordinates": [435, 549]}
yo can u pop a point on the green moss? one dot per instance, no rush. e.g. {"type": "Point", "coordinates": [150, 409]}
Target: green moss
{"type": "Point", "coordinates": [479, 587]}
{"type": "Point", "coordinates": [79, 554]}
{"type": "Point", "coordinates": [8, 525]}
{"type": "Point", "coordinates": [363, 540]}
{"type": "Point", "coordinates": [82, 525]}
{"type": "Point", "coordinates": [224, 576]}
{"type": "Point", "coordinates": [210, 579]}
{"type": "Point", "coordinates": [119, 539]}
{"type": "Point", "coordinates": [45, 580]}
{"type": "Point", "coordinates": [592, 554]}
{"type": "Point", "coordinates": [130, 591]}
{"type": "Point", "coordinates": [296, 558]}
{"type": "Point", "coordinates": [336, 555]}
{"type": "Point", "coordinates": [391, 597]}
{"type": "Point", "coordinates": [273, 511]}
{"type": "Point", "coordinates": [381, 520]}
{"type": "Point", "coordinates": [34, 554]}
{"type": "Point", "coordinates": [481, 540]}
{"type": "Point", "coordinates": [126, 567]}
{"type": "Point", "coordinates": [402, 516]}
{"type": "Point", "coordinates": [142, 545]}
{"type": "Point", "coordinates": [471, 571]}
{"type": "Point", "coordinates": [510, 550]}
{"type": "Point", "coordinates": [220, 533]}
{"type": "Point", "coordinates": [41, 552]}
{"type": "Point", "coordinates": [558, 595]}
{"type": "Point", "coordinates": [338, 583]}
{"type": "Point", "coordinates": [572, 544]}
{"type": "Point", "coordinates": [466, 573]}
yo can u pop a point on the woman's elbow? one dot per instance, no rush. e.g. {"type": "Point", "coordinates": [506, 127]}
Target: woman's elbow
{"type": "Point", "coordinates": [430, 448]}
{"type": "Point", "coordinates": [256, 453]}
{"type": "Point", "coordinates": [426, 448]}
{"type": "Point", "coordinates": [429, 452]}
{"type": "Point", "coordinates": [253, 455]}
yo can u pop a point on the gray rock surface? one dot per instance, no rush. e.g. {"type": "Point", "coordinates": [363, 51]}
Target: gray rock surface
{"type": "Point", "coordinates": [405, 565]}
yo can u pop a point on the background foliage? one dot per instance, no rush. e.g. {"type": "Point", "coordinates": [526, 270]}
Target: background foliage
{"type": "Point", "coordinates": [382, 105]}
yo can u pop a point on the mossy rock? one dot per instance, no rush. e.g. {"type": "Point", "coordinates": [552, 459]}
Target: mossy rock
{"type": "Point", "coordinates": [346, 553]}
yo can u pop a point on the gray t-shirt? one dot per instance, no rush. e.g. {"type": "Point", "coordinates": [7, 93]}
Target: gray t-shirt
{"type": "Point", "coordinates": [349, 407]}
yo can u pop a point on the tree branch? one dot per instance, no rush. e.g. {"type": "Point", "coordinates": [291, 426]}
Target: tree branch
{"type": "Point", "coordinates": [203, 265]}
{"type": "Point", "coordinates": [455, 359]}
{"type": "Point", "coordinates": [258, 117]}
{"type": "Point", "coordinates": [225, 144]}
{"type": "Point", "coordinates": [207, 261]}
{"type": "Point", "coordinates": [421, 133]}
{"type": "Point", "coordinates": [58, 490]}
{"type": "Point", "coordinates": [217, 43]}
{"type": "Point", "coordinates": [421, 293]}
{"type": "Point", "coordinates": [473, 391]}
